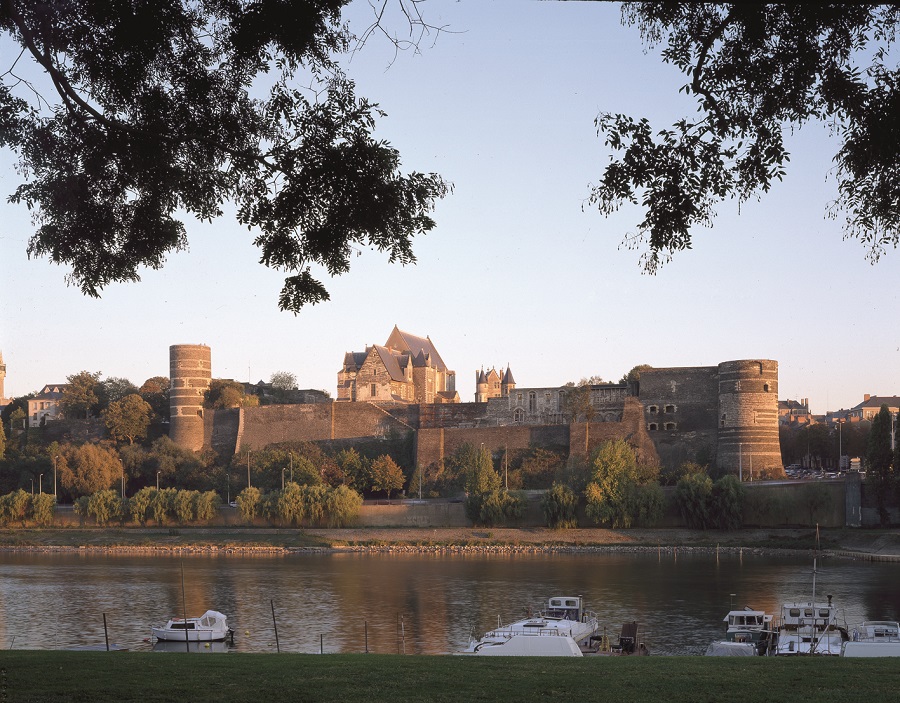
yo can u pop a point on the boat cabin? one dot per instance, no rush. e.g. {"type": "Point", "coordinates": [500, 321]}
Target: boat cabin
{"type": "Point", "coordinates": [565, 608]}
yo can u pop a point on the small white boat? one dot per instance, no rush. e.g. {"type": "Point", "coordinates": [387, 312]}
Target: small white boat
{"type": "Point", "coordinates": [742, 628]}
{"type": "Point", "coordinates": [562, 630]}
{"type": "Point", "coordinates": [212, 626]}
{"type": "Point", "coordinates": [873, 638]}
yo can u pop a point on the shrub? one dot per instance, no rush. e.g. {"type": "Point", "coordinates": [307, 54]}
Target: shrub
{"type": "Point", "coordinates": [104, 506]}
{"type": "Point", "coordinates": [559, 505]}
{"type": "Point", "coordinates": [184, 506]}
{"type": "Point", "coordinates": [645, 504]}
{"type": "Point", "coordinates": [342, 506]}
{"type": "Point", "coordinates": [726, 503]}
{"type": "Point", "coordinates": [43, 509]}
{"type": "Point", "coordinates": [314, 504]}
{"type": "Point", "coordinates": [138, 506]}
{"type": "Point", "coordinates": [208, 505]}
{"type": "Point", "coordinates": [495, 507]}
{"type": "Point", "coordinates": [248, 502]}
{"type": "Point", "coordinates": [289, 505]}
{"type": "Point", "coordinates": [692, 495]}
{"type": "Point", "coordinates": [81, 508]}
{"type": "Point", "coordinates": [162, 507]}
{"type": "Point", "coordinates": [15, 506]}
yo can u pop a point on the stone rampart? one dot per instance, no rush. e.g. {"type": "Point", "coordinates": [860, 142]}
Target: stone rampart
{"type": "Point", "coordinates": [435, 444]}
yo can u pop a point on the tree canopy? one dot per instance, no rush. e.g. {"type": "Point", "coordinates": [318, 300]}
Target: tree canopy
{"type": "Point", "coordinates": [152, 110]}
{"type": "Point", "coordinates": [758, 71]}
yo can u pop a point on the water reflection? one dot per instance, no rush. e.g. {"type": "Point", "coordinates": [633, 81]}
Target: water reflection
{"type": "Point", "coordinates": [423, 604]}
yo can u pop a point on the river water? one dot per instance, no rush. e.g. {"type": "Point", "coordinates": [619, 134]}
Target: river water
{"type": "Point", "coordinates": [412, 603]}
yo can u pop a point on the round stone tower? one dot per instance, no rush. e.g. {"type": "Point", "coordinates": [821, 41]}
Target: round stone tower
{"type": "Point", "coordinates": [190, 371]}
{"type": "Point", "coordinates": [748, 416]}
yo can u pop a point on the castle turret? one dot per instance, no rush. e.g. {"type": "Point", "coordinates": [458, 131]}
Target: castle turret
{"type": "Point", "coordinates": [748, 416]}
{"type": "Point", "coordinates": [3, 400]}
{"type": "Point", "coordinates": [481, 387]}
{"type": "Point", "coordinates": [190, 372]}
{"type": "Point", "coordinates": [508, 383]}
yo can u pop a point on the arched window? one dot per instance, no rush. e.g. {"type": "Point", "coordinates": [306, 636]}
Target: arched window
{"type": "Point", "coordinates": [518, 415]}
{"type": "Point", "coordinates": [561, 401]}
{"type": "Point", "coordinates": [670, 408]}
{"type": "Point", "coordinates": [653, 409]}
{"type": "Point", "coordinates": [670, 426]}
{"type": "Point", "coordinates": [652, 427]}
{"type": "Point", "coordinates": [532, 402]}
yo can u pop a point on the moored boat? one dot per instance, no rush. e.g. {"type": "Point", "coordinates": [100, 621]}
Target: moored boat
{"type": "Point", "coordinates": [873, 638]}
{"type": "Point", "coordinates": [560, 630]}
{"type": "Point", "coordinates": [747, 632]}
{"type": "Point", "coordinates": [810, 628]}
{"type": "Point", "coordinates": [212, 626]}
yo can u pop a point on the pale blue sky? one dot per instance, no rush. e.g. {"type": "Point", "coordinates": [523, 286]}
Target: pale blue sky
{"type": "Point", "coordinates": [516, 271]}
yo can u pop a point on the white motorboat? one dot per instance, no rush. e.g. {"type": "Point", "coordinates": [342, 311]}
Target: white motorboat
{"type": "Point", "coordinates": [747, 631]}
{"type": "Point", "coordinates": [561, 630]}
{"type": "Point", "coordinates": [809, 628]}
{"type": "Point", "coordinates": [873, 638]}
{"type": "Point", "coordinates": [212, 626]}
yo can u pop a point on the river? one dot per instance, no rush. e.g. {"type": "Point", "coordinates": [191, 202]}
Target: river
{"type": "Point", "coordinates": [412, 603]}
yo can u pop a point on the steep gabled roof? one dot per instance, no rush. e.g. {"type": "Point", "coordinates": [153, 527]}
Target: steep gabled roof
{"type": "Point", "coordinates": [353, 360]}
{"type": "Point", "coordinates": [390, 363]}
{"type": "Point", "coordinates": [404, 341]}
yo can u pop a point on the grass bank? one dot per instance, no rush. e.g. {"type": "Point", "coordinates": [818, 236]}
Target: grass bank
{"type": "Point", "coordinates": [120, 677]}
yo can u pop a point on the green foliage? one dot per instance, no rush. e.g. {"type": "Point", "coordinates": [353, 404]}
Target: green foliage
{"type": "Point", "coordinates": [815, 500]}
{"type": "Point", "coordinates": [879, 458]}
{"type": "Point", "coordinates": [128, 418]}
{"type": "Point", "coordinates": [634, 376]}
{"type": "Point", "coordinates": [249, 503]}
{"type": "Point", "coordinates": [342, 506]}
{"type": "Point", "coordinates": [207, 505]}
{"type": "Point", "coordinates": [14, 507]}
{"type": "Point", "coordinates": [386, 475]}
{"type": "Point", "coordinates": [225, 393]}
{"type": "Point", "coordinates": [832, 66]}
{"type": "Point", "coordinates": [495, 507]}
{"type": "Point", "coordinates": [43, 509]}
{"type": "Point", "coordinates": [559, 506]}
{"type": "Point", "coordinates": [80, 506]}
{"type": "Point", "coordinates": [81, 396]}
{"type": "Point", "coordinates": [355, 467]}
{"type": "Point", "coordinates": [537, 469]}
{"type": "Point", "coordinates": [692, 495]}
{"type": "Point", "coordinates": [475, 469]}
{"type": "Point", "coordinates": [104, 507]}
{"type": "Point", "coordinates": [184, 506]}
{"type": "Point", "coordinates": [162, 506]}
{"type": "Point", "coordinates": [138, 506]}
{"type": "Point", "coordinates": [155, 393]}
{"type": "Point", "coordinates": [290, 506]}
{"type": "Point", "coordinates": [726, 504]}
{"type": "Point", "coordinates": [2, 442]}
{"type": "Point", "coordinates": [671, 477]}
{"type": "Point", "coordinates": [204, 109]}
{"type": "Point", "coordinates": [88, 468]}
{"type": "Point", "coordinates": [614, 471]}
{"type": "Point", "coordinates": [645, 504]}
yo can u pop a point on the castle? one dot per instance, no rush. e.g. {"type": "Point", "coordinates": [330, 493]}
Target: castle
{"type": "Point", "coordinates": [728, 412]}
{"type": "Point", "coordinates": [407, 369]}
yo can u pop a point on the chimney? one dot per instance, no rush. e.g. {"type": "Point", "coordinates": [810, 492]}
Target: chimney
{"type": "Point", "coordinates": [866, 397]}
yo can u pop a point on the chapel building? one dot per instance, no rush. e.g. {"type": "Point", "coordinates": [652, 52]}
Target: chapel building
{"type": "Point", "coordinates": [407, 369]}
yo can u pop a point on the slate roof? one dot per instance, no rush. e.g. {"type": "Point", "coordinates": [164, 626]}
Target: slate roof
{"type": "Point", "coordinates": [404, 341]}
{"type": "Point", "coordinates": [508, 377]}
{"type": "Point", "coordinates": [391, 363]}
{"type": "Point", "coordinates": [876, 401]}
{"type": "Point", "coordinates": [51, 391]}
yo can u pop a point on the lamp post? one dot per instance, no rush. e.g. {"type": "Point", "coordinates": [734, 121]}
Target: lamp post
{"type": "Point", "coordinates": [282, 478]}
{"type": "Point", "coordinates": [32, 488]}
{"type": "Point", "coordinates": [248, 468]}
{"type": "Point", "coordinates": [54, 474]}
{"type": "Point", "coordinates": [740, 462]}
{"type": "Point", "coordinates": [157, 479]}
{"type": "Point", "coordinates": [292, 466]}
{"type": "Point", "coordinates": [40, 483]}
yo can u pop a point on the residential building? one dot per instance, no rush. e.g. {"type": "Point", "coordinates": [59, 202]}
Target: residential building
{"type": "Point", "coordinates": [45, 406]}
{"type": "Point", "coordinates": [871, 404]}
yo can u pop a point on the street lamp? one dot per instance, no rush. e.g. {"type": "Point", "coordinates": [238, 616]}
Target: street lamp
{"type": "Point", "coordinates": [157, 479]}
{"type": "Point", "coordinates": [292, 466]}
{"type": "Point", "coordinates": [248, 468]}
{"type": "Point", "coordinates": [40, 483]}
{"type": "Point", "coordinates": [282, 478]}
{"type": "Point", "coordinates": [54, 474]}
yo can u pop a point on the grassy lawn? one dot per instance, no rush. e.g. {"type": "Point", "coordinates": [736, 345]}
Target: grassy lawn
{"type": "Point", "coordinates": [98, 677]}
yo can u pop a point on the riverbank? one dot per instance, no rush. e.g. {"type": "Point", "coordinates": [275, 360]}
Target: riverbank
{"type": "Point", "coordinates": [124, 677]}
{"type": "Point", "coordinates": [236, 540]}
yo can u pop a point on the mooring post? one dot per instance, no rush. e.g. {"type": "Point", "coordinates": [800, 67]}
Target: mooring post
{"type": "Point", "coordinates": [366, 626]}
{"type": "Point", "coordinates": [321, 644]}
{"type": "Point", "coordinates": [275, 625]}
{"type": "Point", "coordinates": [105, 632]}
